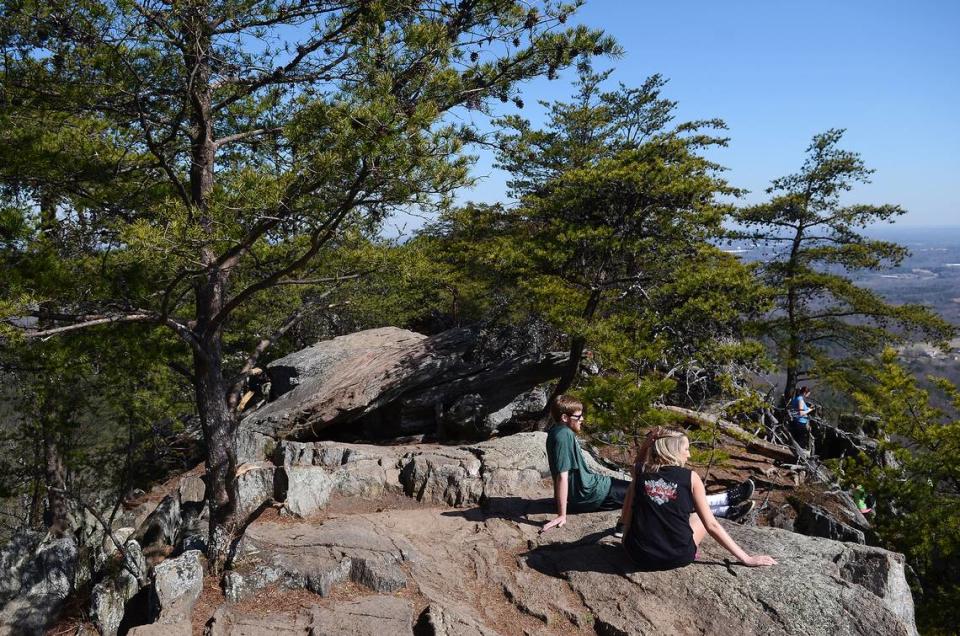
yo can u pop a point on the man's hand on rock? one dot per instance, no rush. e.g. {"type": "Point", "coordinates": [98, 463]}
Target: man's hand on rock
{"type": "Point", "coordinates": [559, 522]}
{"type": "Point", "coordinates": [759, 560]}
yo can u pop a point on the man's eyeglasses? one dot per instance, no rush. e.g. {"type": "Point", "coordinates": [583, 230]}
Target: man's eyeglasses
{"type": "Point", "coordinates": [576, 417]}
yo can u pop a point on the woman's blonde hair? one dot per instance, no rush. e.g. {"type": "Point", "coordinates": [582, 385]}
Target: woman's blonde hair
{"type": "Point", "coordinates": [661, 447]}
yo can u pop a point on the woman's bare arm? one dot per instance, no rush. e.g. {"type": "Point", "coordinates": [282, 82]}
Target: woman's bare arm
{"type": "Point", "coordinates": [716, 530]}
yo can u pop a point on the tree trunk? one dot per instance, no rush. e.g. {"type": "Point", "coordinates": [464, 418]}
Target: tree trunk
{"type": "Point", "coordinates": [35, 514]}
{"type": "Point", "coordinates": [577, 346]}
{"type": "Point", "coordinates": [793, 328]}
{"type": "Point", "coordinates": [55, 480]}
{"type": "Point", "coordinates": [218, 421]}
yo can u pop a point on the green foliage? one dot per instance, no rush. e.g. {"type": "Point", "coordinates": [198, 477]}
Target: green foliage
{"type": "Point", "coordinates": [610, 247]}
{"type": "Point", "coordinates": [823, 323]}
{"type": "Point", "coordinates": [612, 239]}
{"type": "Point", "coordinates": [917, 508]}
{"type": "Point", "coordinates": [217, 168]}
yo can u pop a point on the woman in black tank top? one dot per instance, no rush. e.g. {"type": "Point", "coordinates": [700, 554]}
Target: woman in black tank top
{"type": "Point", "coordinates": [666, 513]}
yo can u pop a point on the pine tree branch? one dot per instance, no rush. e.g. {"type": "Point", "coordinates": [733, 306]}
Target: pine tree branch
{"type": "Point", "coordinates": [82, 321]}
{"type": "Point", "coordinates": [318, 239]}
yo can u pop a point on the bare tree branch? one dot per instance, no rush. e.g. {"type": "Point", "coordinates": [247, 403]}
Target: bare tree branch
{"type": "Point", "coordinates": [229, 139]}
{"type": "Point", "coordinates": [251, 362]}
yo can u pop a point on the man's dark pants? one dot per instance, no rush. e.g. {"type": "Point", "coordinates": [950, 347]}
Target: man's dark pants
{"type": "Point", "coordinates": [616, 496]}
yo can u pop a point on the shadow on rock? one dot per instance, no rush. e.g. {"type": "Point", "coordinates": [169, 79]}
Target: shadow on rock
{"type": "Point", "coordinates": [515, 509]}
{"type": "Point", "coordinates": [591, 554]}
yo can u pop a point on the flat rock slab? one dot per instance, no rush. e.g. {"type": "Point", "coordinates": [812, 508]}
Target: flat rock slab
{"type": "Point", "coordinates": [814, 589]}
{"type": "Point", "coordinates": [369, 616]}
{"type": "Point", "coordinates": [486, 572]}
{"type": "Point", "coordinates": [318, 556]}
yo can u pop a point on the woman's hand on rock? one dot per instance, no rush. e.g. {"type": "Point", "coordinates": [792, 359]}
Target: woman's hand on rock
{"type": "Point", "coordinates": [758, 560]}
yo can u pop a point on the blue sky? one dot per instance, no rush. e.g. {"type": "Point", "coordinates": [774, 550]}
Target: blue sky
{"type": "Point", "coordinates": [778, 72]}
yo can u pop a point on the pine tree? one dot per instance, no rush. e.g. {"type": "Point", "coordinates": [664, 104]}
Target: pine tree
{"type": "Point", "coordinates": [240, 139]}
{"type": "Point", "coordinates": [823, 322]}
{"type": "Point", "coordinates": [610, 244]}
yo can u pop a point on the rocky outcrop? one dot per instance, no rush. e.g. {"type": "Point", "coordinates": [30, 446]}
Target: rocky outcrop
{"type": "Point", "coordinates": [508, 467]}
{"type": "Point", "coordinates": [387, 383]}
{"type": "Point", "coordinates": [434, 539]}
{"type": "Point", "coordinates": [815, 589]}
{"type": "Point", "coordinates": [486, 572]}
{"type": "Point", "coordinates": [475, 535]}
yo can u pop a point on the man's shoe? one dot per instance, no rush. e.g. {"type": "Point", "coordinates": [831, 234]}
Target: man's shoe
{"type": "Point", "coordinates": [740, 493]}
{"type": "Point", "coordinates": [618, 530]}
{"type": "Point", "coordinates": [739, 511]}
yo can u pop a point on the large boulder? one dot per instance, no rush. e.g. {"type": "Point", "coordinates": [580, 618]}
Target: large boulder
{"type": "Point", "coordinates": [177, 584]}
{"type": "Point", "coordinates": [46, 577]}
{"type": "Point", "coordinates": [819, 587]}
{"type": "Point", "coordinates": [344, 378]}
{"type": "Point", "coordinates": [388, 383]}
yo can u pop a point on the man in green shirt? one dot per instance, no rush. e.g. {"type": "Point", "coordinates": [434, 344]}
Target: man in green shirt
{"type": "Point", "coordinates": [575, 487]}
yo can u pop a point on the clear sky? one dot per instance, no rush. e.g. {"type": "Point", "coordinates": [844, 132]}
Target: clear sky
{"type": "Point", "coordinates": [779, 72]}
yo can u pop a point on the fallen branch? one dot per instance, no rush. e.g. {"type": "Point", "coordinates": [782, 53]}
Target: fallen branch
{"type": "Point", "coordinates": [753, 444]}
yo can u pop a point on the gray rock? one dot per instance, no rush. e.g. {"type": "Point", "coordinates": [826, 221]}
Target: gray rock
{"type": "Point", "coordinates": [13, 557]}
{"type": "Point", "coordinates": [318, 557]}
{"type": "Point", "coordinates": [470, 417]}
{"type": "Point", "coordinates": [369, 616]}
{"type": "Point", "coordinates": [120, 534]}
{"type": "Point", "coordinates": [162, 526]}
{"type": "Point", "coordinates": [817, 522]}
{"type": "Point", "coordinates": [134, 562]}
{"type": "Point", "coordinates": [342, 379]}
{"type": "Point", "coordinates": [882, 573]}
{"type": "Point", "coordinates": [321, 361]}
{"type": "Point", "coordinates": [443, 621]}
{"type": "Point", "coordinates": [177, 584]}
{"type": "Point", "coordinates": [192, 489]}
{"type": "Point", "coordinates": [46, 579]}
{"type": "Point", "coordinates": [819, 587]}
{"type": "Point", "coordinates": [532, 401]}
{"type": "Point", "coordinates": [465, 419]}
{"type": "Point", "coordinates": [443, 475]}
{"type": "Point", "coordinates": [254, 446]}
{"type": "Point", "coordinates": [182, 628]}
{"type": "Point", "coordinates": [255, 487]}
{"type": "Point", "coordinates": [355, 470]}
{"type": "Point", "coordinates": [308, 489]}
{"type": "Point", "coordinates": [378, 574]}
{"type": "Point", "coordinates": [108, 601]}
